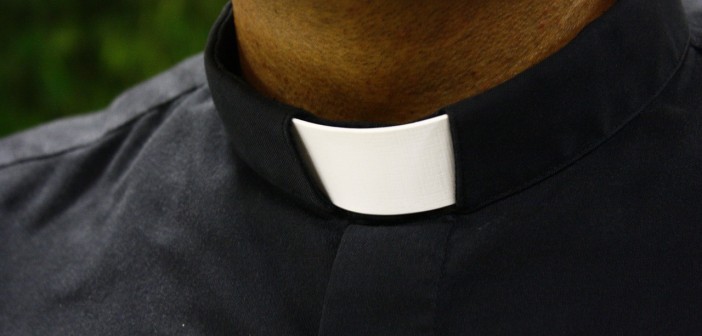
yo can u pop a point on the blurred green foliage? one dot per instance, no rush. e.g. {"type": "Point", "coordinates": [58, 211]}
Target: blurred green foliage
{"type": "Point", "coordinates": [72, 56]}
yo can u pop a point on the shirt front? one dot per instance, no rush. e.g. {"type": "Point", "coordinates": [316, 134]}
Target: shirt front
{"type": "Point", "coordinates": [186, 206]}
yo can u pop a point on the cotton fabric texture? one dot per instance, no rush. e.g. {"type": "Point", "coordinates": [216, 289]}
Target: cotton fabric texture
{"type": "Point", "coordinates": [184, 207]}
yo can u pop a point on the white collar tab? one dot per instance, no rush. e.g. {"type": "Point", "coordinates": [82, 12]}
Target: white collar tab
{"type": "Point", "coordinates": [382, 171]}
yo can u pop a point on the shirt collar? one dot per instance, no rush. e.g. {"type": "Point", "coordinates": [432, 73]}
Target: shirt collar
{"type": "Point", "coordinates": [504, 140]}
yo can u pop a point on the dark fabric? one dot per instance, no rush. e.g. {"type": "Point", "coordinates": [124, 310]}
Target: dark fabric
{"type": "Point", "coordinates": [184, 208]}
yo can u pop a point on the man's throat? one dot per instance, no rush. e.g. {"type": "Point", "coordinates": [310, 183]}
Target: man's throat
{"type": "Point", "coordinates": [397, 61]}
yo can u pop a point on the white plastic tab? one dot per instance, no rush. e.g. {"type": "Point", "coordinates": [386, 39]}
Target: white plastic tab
{"type": "Point", "coordinates": [383, 171]}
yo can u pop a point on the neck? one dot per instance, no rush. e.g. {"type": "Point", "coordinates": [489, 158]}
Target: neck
{"type": "Point", "coordinates": [397, 61]}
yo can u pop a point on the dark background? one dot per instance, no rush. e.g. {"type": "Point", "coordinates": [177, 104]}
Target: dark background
{"type": "Point", "coordinates": [64, 57]}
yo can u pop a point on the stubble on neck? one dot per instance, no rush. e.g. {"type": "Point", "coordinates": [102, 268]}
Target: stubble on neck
{"type": "Point", "coordinates": [397, 61]}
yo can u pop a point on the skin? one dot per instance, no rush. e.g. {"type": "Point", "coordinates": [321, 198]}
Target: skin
{"type": "Point", "coordinates": [397, 61]}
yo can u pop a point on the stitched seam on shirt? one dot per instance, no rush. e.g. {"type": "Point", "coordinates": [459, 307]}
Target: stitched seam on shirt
{"type": "Point", "coordinates": [342, 243]}
{"type": "Point", "coordinates": [118, 128]}
{"type": "Point", "coordinates": [591, 147]}
{"type": "Point", "coordinates": [442, 274]}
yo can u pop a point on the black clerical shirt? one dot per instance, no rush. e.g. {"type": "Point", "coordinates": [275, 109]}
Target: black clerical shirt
{"type": "Point", "coordinates": [184, 208]}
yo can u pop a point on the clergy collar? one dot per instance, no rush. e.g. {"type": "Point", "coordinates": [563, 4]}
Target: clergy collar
{"type": "Point", "coordinates": [504, 140]}
{"type": "Point", "coordinates": [394, 170]}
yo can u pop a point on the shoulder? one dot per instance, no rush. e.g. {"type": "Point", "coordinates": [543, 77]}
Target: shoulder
{"type": "Point", "coordinates": [693, 10]}
{"type": "Point", "coordinates": [67, 134]}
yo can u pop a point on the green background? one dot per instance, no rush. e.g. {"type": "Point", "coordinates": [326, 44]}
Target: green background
{"type": "Point", "coordinates": [63, 57]}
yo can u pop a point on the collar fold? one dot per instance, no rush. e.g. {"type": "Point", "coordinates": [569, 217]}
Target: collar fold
{"type": "Point", "coordinates": [504, 140]}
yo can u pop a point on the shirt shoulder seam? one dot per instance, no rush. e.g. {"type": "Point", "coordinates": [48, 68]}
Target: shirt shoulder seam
{"type": "Point", "coordinates": [63, 136]}
{"type": "Point", "coordinates": [111, 131]}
